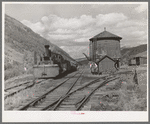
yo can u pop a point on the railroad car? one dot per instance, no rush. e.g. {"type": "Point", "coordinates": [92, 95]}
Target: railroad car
{"type": "Point", "coordinates": [53, 64]}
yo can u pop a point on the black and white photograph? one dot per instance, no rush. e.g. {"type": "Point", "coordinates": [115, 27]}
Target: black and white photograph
{"type": "Point", "coordinates": [76, 60]}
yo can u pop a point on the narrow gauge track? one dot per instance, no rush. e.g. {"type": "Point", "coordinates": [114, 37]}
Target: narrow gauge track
{"type": "Point", "coordinates": [53, 93]}
{"type": "Point", "coordinates": [76, 99]}
{"type": "Point", "coordinates": [59, 98]}
{"type": "Point", "coordinates": [9, 88]}
{"type": "Point", "coordinates": [17, 88]}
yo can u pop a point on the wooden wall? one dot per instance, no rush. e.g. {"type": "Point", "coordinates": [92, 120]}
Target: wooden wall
{"type": "Point", "coordinates": [138, 61]}
{"type": "Point", "coordinates": [106, 65]}
{"type": "Point", "coordinates": [110, 47]}
{"type": "Point", "coordinates": [143, 60]}
{"type": "Point", "coordinates": [90, 49]}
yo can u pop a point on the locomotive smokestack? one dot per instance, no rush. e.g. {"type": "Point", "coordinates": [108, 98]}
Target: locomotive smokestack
{"type": "Point", "coordinates": [47, 50]}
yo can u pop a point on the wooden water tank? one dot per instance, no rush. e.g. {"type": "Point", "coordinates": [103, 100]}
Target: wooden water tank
{"type": "Point", "coordinates": [105, 43]}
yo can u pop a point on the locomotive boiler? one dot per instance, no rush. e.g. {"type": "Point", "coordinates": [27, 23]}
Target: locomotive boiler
{"type": "Point", "coordinates": [53, 64]}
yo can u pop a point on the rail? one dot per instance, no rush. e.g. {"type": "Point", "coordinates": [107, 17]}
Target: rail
{"type": "Point", "coordinates": [33, 102]}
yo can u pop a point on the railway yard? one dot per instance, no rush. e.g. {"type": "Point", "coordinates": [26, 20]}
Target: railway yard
{"type": "Point", "coordinates": [46, 78]}
{"type": "Point", "coordinates": [80, 91]}
{"type": "Point", "coordinates": [75, 62]}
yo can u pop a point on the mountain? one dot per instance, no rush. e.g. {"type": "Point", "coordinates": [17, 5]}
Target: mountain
{"type": "Point", "coordinates": [82, 61]}
{"type": "Point", "coordinates": [128, 53]}
{"type": "Point", "coordinates": [20, 44]}
{"type": "Point", "coordinates": [76, 51]}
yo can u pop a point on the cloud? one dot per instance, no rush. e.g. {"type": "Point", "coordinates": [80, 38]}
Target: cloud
{"type": "Point", "coordinates": [82, 40]}
{"type": "Point", "coordinates": [110, 19]}
{"type": "Point", "coordinates": [36, 27]}
{"type": "Point", "coordinates": [45, 19]}
{"type": "Point", "coordinates": [55, 27]}
{"type": "Point", "coordinates": [55, 22]}
{"type": "Point", "coordinates": [128, 23]}
{"type": "Point", "coordinates": [73, 34]}
{"type": "Point", "coordinates": [63, 31]}
{"type": "Point", "coordinates": [84, 31]}
{"type": "Point", "coordinates": [137, 33]}
{"type": "Point", "coordinates": [60, 36]}
{"type": "Point", "coordinates": [141, 8]}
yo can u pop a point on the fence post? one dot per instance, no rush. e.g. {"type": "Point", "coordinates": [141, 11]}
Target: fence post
{"type": "Point", "coordinates": [135, 78]}
{"type": "Point", "coordinates": [35, 58]}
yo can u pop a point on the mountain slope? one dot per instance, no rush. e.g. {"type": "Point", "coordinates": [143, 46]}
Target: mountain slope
{"type": "Point", "coordinates": [21, 38]}
{"type": "Point", "coordinates": [128, 53]}
{"type": "Point", "coordinates": [134, 50]}
{"type": "Point", "coordinates": [76, 51]}
{"type": "Point", "coordinates": [20, 44]}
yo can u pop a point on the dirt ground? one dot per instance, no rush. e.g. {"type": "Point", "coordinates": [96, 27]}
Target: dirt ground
{"type": "Point", "coordinates": [119, 95]}
{"type": "Point", "coordinates": [124, 94]}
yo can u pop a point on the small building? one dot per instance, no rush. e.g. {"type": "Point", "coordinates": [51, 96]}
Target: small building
{"type": "Point", "coordinates": [105, 43]}
{"type": "Point", "coordinates": [139, 59]}
{"type": "Point", "coordinates": [132, 61]}
{"type": "Point", "coordinates": [106, 65]}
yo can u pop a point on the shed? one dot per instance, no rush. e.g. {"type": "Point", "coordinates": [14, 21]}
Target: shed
{"type": "Point", "coordinates": [105, 43]}
{"type": "Point", "coordinates": [106, 65]}
{"type": "Point", "coordinates": [139, 59]}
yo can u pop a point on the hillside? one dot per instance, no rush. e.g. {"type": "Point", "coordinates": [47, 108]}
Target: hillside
{"type": "Point", "coordinates": [128, 53]}
{"type": "Point", "coordinates": [22, 38]}
{"type": "Point", "coordinates": [20, 44]}
{"type": "Point", "coordinates": [82, 61]}
{"type": "Point", "coordinates": [76, 51]}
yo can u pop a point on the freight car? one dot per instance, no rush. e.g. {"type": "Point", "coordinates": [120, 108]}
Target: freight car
{"type": "Point", "coordinates": [53, 64]}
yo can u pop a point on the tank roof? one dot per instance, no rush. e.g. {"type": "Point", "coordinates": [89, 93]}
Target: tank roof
{"type": "Point", "coordinates": [105, 35]}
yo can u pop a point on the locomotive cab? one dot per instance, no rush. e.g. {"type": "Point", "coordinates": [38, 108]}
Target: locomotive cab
{"type": "Point", "coordinates": [53, 64]}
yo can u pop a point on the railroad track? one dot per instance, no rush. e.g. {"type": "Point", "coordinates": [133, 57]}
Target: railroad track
{"type": "Point", "coordinates": [10, 91]}
{"type": "Point", "coordinates": [76, 99]}
{"type": "Point", "coordinates": [53, 91]}
{"type": "Point", "coordinates": [68, 95]}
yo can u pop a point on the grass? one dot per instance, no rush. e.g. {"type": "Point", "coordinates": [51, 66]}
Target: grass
{"type": "Point", "coordinates": [14, 72]}
{"type": "Point", "coordinates": [127, 96]}
{"type": "Point", "coordinates": [122, 101]}
{"type": "Point", "coordinates": [21, 97]}
{"type": "Point", "coordinates": [18, 80]}
{"type": "Point", "coordinates": [124, 96]}
{"type": "Point", "coordinates": [15, 68]}
{"type": "Point", "coordinates": [133, 101]}
{"type": "Point", "coordinates": [24, 96]}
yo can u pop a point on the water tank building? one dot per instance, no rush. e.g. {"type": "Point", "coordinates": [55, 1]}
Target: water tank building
{"type": "Point", "coordinates": [105, 43]}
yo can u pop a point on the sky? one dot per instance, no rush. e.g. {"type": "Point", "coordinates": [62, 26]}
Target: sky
{"type": "Point", "coordinates": [71, 25]}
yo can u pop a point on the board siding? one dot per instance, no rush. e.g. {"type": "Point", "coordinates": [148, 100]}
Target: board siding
{"type": "Point", "coordinates": [106, 65]}
{"type": "Point", "coordinates": [108, 47]}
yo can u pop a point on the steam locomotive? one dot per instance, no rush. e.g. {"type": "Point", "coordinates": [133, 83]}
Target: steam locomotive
{"type": "Point", "coordinates": [54, 64]}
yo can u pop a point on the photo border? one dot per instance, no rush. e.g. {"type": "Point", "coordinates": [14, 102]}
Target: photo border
{"type": "Point", "coordinates": [74, 1]}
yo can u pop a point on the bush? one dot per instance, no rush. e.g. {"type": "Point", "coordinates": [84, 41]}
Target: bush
{"type": "Point", "coordinates": [30, 71]}
{"type": "Point", "coordinates": [11, 73]}
{"type": "Point", "coordinates": [16, 70]}
{"type": "Point", "coordinates": [7, 66]}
